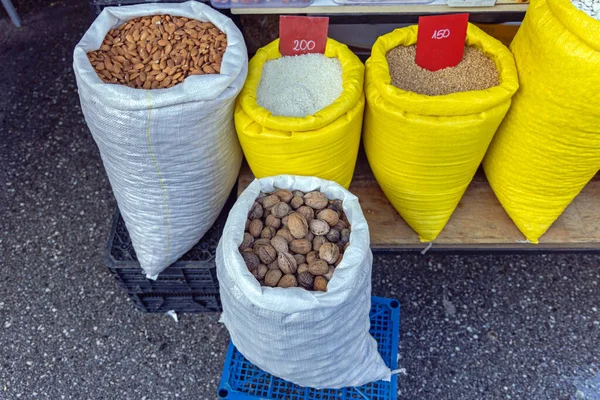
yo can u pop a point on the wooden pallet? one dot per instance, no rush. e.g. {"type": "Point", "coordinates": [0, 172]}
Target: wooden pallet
{"type": "Point", "coordinates": [479, 222]}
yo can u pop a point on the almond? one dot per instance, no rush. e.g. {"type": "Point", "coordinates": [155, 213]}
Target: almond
{"type": "Point", "coordinates": [145, 40]}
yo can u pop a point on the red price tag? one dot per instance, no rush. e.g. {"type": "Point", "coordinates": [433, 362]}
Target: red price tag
{"type": "Point", "coordinates": [441, 41]}
{"type": "Point", "coordinates": [302, 35]}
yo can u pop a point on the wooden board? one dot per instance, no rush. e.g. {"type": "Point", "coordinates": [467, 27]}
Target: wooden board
{"type": "Point", "coordinates": [479, 222]}
{"type": "Point", "coordinates": [328, 7]}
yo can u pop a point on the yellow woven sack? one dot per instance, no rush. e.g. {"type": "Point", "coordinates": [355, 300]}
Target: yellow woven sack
{"type": "Point", "coordinates": [424, 150]}
{"type": "Point", "coordinates": [548, 147]}
{"type": "Point", "coordinates": [324, 144]}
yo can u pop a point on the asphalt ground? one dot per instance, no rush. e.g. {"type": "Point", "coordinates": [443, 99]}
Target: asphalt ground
{"type": "Point", "coordinates": [473, 326]}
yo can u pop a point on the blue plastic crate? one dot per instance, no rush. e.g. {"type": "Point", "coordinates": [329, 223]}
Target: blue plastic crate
{"type": "Point", "coordinates": [242, 380]}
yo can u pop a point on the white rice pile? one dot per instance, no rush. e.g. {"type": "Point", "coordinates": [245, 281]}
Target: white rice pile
{"type": "Point", "coordinates": [298, 86]}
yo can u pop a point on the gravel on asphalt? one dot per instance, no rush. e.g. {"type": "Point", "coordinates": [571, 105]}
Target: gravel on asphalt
{"type": "Point", "coordinates": [473, 326]}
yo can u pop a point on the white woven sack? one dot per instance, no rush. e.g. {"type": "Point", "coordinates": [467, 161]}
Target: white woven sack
{"type": "Point", "coordinates": [171, 155]}
{"type": "Point", "coordinates": [314, 339]}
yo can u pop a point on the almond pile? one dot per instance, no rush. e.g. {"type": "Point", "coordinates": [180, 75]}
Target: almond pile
{"type": "Point", "coordinates": [159, 51]}
{"type": "Point", "coordinates": [295, 239]}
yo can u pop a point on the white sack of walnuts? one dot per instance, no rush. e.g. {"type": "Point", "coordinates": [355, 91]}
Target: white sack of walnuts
{"type": "Point", "coordinates": [314, 339]}
{"type": "Point", "coordinates": [171, 155]}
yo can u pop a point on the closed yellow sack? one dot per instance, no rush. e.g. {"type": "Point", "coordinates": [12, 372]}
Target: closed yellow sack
{"type": "Point", "coordinates": [424, 150]}
{"type": "Point", "coordinates": [548, 147]}
{"type": "Point", "coordinates": [324, 144]}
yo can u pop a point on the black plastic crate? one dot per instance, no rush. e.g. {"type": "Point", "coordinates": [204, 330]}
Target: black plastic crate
{"type": "Point", "coordinates": [98, 5]}
{"type": "Point", "coordinates": [188, 285]}
{"type": "Point", "coordinates": [181, 303]}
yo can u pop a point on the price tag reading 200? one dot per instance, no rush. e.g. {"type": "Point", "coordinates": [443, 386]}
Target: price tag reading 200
{"type": "Point", "coordinates": [302, 35]}
{"type": "Point", "coordinates": [441, 41]}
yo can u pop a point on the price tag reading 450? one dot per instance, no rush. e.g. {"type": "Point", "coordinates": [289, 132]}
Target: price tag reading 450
{"type": "Point", "coordinates": [302, 35]}
{"type": "Point", "coordinates": [441, 41]}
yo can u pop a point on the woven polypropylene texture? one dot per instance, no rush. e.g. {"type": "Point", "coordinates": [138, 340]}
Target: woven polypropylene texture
{"type": "Point", "coordinates": [171, 155]}
{"type": "Point", "coordinates": [324, 144]}
{"type": "Point", "coordinates": [188, 285]}
{"type": "Point", "coordinates": [243, 380]}
{"type": "Point", "coordinates": [261, 319]}
{"type": "Point", "coordinates": [546, 149]}
{"type": "Point", "coordinates": [424, 150]}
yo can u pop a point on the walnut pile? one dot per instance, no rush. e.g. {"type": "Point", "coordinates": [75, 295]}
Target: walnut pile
{"type": "Point", "coordinates": [295, 239]}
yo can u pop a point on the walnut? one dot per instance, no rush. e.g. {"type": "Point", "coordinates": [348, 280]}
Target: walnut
{"type": "Point", "coordinates": [316, 200]}
{"type": "Point", "coordinates": [319, 227]}
{"type": "Point", "coordinates": [287, 248]}
{"type": "Point", "coordinates": [320, 284]}
{"type": "Point", "coordinates": [261, 271]}
{"type": "Point", "coordinates": [280, 244]}
{"type": "Point", "coordinates": [318, 267]}
{"type": "Point", "coordinates": [266, 253]}
{"type": "Point", "coordinates": [306, 280]}
{"type": "Point", "coordinates": [285, 233]}
{"type": "Point", "coordinates": [307, 212]}
{"type": "Point", "coordinates": [329, 216]}
{"type": "Point", "coordinates": [272, 277]}
{"type": "Point", "coordinates": [261, 197]}
{"type": "Point", "coordinates": [247, 242]}
{"type": "Point", "coordinates": [280, 209]}
{"type": "Point", "coordinates": [268, 232]}
{"type": "Point", "coordinates": [252, 261]}
{"type": "Point", "coordinates": [287, 281]}
{"type": "Point", "coordinates": [312, 256]}
{"type": "Point", "coordinates": [297, 225]}
{"type": "Point", "coordinates": [318, 242]}
{"type": "Point", "coordinates": [336, 205]}
{"type": "Point", "coordinates": [341, 225]}
{"type": "Point", "coordinates": [333, 235]}
{"type": "Point", "coordinates": [256, 211]}
{"type": "Point", "coordinates": [284, 195]}
{"type": "Point", "coordinates": [296, 202]}
{"type": "Point", "coordinates": [345, 235]}
{"type": "Point", "coordinates": [256, 227]}
{"type": "Point", "coordinates": [273, 222]}
{"type": "Point", "coordinates": [300, 258]}
{"type": "Point", "coordinates": [261, 242]}
{"type": "Point", "coordinates": [287, 263]}
{"type": "Point", "coordinates": [302, 268]}
{"type": "Point", "coordinates": [329, 252]}
{"type": "Point", "coordinates": [301, 246]}
{"type": "Point", "coordinates": [329, 274]}
{"type": "Point", "coordinates": [270, 201]}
